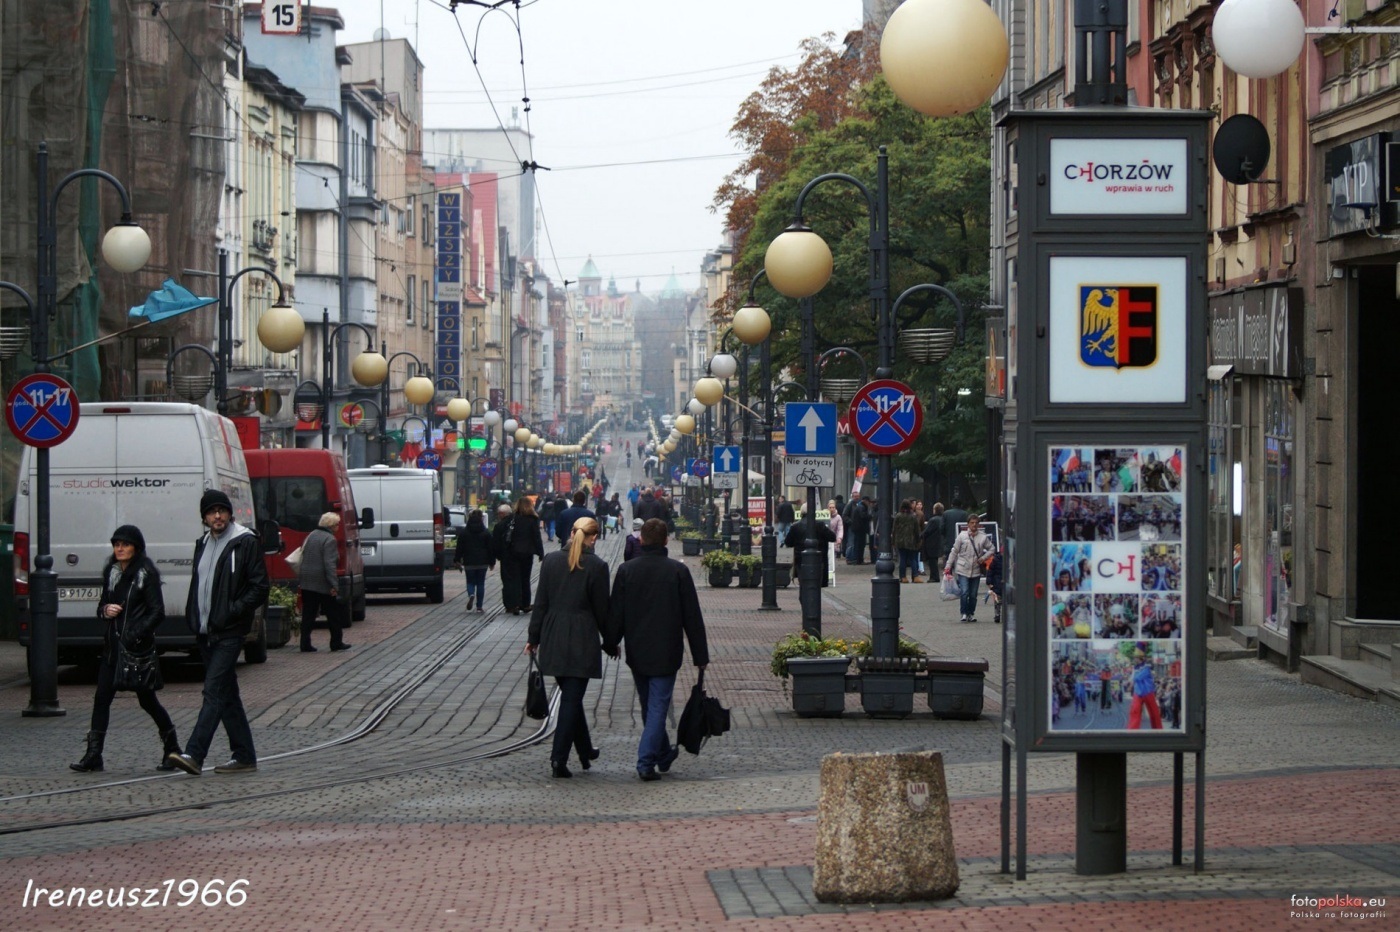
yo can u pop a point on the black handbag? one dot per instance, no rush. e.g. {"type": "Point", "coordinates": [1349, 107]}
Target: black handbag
{"type": "Point", "coordinates": [137, 669]}
{"type": "Point", "coordinates": [703, 718]}
{"type": "Point", "coordinates": [536, 700]}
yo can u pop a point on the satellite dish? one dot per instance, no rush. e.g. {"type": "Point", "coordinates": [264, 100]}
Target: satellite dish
{"type": "Point", "coordinates": [1241, 149]}
{"type": "Point", "coordinates": [381, 34]}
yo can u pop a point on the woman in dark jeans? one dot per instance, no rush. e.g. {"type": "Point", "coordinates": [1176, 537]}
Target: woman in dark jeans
{"type": "Point", "coordinates": [566, 633]}
{"type": "Point", "coordinates": [132, 605]}
{"type": "Point", "coordinates": [474, 556]}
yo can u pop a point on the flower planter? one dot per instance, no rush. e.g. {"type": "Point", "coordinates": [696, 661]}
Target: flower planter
{"type": "Point", "coordinates": [690, 546]}
{"type": "Point", "coordinates": [955, 687]}
{"type": "Point", "coordinates": [750, 578]}
{"type": "Point", "coordinates": [721, 578]}
{"type": "Point", "coordinates": [887, 685]}
{"type": "Point", "coordinates": [818, 686]}
{"type": "Point", "coordinates": [709, 544]}
{"type": "Point", "coordinates": [275, 622]}
{"type": "Point", "coordinates": [783, 574]}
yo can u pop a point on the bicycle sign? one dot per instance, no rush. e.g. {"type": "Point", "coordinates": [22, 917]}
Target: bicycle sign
{"type": "Point", "coordinates": [42, 410]}
{"type": "Point", "coordinates": [886, 416]}
{"type": "Point", "coordinates": [812, 471]}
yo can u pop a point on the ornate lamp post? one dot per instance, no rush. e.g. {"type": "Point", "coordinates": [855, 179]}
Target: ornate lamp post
{"type": "Point", "coordinates": [418, 390]}
{"type": "Point", "coordinates": [752, 325]}
{"type": "Point", "coordinates": [312, 398]}
{"type": "Point", "coordinates": [281, 325]}
{"type": "Point", "coordinates": [126, 247]}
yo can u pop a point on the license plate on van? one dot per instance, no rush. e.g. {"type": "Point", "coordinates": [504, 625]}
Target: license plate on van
{"type": "Point", "coordinates": [79, 593]}
{"type": "Point", "coordinates": [367, 550]}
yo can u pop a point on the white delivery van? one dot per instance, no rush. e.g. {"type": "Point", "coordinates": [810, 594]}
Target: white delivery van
{"type": "Point", "coordinates": [141, 463]}
{"type": "Point", "coordinates": [402, 540]}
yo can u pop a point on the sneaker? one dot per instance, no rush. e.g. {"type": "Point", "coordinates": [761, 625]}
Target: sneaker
{"type": "Point", "coordinates": [186, 763]}
{"type": "Point", "coordinates": [236, 766]}
{"type": "Point", "coordinates": [664, 765]}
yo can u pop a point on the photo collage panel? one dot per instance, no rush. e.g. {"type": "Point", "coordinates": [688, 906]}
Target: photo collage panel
{"type": "Point", "coordinates": [1116, 588]}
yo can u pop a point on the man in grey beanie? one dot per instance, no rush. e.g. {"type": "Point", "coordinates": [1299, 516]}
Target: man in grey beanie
{"type": "Point", "coordinates": [227, 584]}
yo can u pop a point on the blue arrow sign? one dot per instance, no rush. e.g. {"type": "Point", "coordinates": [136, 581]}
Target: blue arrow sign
{"type": "Point", "coordinates": [811, 428]}
{"type": "Point", "coordinates": [675, 474]}
{"type": "Point", "coordinates": [690, 465]}
{"type": "Point", "coordinates": [727, 459]}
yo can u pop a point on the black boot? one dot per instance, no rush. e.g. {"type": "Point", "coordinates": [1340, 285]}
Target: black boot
{"type": "Point", "coordinates": [92, 760]}
{"type": "Point", "coordinates": [172, 746]}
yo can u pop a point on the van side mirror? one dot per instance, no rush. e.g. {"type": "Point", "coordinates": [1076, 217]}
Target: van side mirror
{"type": "Point", "coordinates": [367, 518]}
{"type": "Point", "coordinates": [271, 534]}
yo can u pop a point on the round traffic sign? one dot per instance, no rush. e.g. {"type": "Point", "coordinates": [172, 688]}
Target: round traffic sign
{"type": "Point", "coordinates": [886, 416]}
{"type": "Point", "coordinates": [42, 410]}
{"type": "Point", "coordinates": [700, 468]}
{"type": "Point", "coordinates": [488, 468]}
{"type": "Point", "coordinates": [429, 459]}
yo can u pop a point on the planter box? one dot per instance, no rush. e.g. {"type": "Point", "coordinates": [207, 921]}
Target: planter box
{"type": "Point", "coordinates": [708, 544]}
{"type": "Point", "coordinates": [887, 695]}
{"type": "Point", "coordinates": [955, 687]}
{"type": "Point", "coordinates": [721, 578]}
{"type": "Point", "coordinates": [276, 621]}
{"type": "Point", "coordinates": [750, 579]}
{"type": "Point", "coordinates": [818, 686]}
{"type": "Point", "coordinates": [690, 546]}
{"type": "Point", "coordinates": [783, 574]}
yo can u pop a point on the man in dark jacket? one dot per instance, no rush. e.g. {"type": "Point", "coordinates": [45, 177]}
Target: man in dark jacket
{"type": "Point", "coordinates": [951, 519]}
{"type": "Point", "coordinates": [653, 602]}
{"type": "Point", "coordinates": [784, 516]}
{"type": "Point", "coordinates": [564, 523]}
{"type": "Point", "coordinates": [858, 529]}
{"type": "Point", "coordinates": [647, 507]}
{"type": "Point", "coordinates": [227, 584]}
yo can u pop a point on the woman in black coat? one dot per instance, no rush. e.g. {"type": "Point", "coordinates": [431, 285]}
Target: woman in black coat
{"type": "Point", "coordinates": [566, 631]}
{"type": "Point", "coordinates": [522, 545]}
{"type": "Point", "coordinates": [132, 605]}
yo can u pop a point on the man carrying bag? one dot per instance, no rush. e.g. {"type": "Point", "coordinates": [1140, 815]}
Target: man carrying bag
{"type": "Point", "coordinates": [653, 603]}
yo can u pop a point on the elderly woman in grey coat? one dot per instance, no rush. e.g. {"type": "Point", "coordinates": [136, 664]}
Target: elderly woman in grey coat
{"type": "Point", "coordinates": [567, 626]}
{"type": "Point", "coordinates": [320, 588]}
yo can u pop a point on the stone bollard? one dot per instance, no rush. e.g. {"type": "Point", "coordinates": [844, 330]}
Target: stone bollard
{"type": "Point", "coordinates": [883, 829]}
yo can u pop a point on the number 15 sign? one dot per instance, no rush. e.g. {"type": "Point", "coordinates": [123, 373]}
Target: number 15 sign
{"type": "Point", "coordinates": [281, 18]}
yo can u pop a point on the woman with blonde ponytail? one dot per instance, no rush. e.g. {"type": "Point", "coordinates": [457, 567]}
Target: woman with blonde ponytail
{"type": "Point", "coordinates": [567, 626]}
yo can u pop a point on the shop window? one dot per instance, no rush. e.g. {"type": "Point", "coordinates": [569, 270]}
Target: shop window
{"type": "Point", "coordinates": [1222, 521]}
{"type": "Point", "coordinates": [1278, 504]}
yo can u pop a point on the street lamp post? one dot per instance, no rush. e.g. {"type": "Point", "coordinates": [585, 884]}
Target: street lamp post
{"type": "Point", "coordinates": [311, 398]}
{"type": "Point", "coordinates": [417, 390]}
{"type": "Point", "coordinates": [280, 330]}
{"type": "Point", "coordinates": [126, 247]}
{"type": "Point", "coordinates": [752, 325]}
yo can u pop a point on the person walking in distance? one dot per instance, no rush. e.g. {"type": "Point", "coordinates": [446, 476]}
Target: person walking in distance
{"type": "Point", "coordinates": [320, 589]}
{"type": "Point", "coordinates": [474, 555]}
{"type": "Point", "coordinates": [500, 550]}
{"type": "Point", "coordinates": [524, 545]}
{"type": "Point", "coordinates": [905, 536]}
{"type": "Point", "coordinates": [565, 522]}
{"type": "Point", "coordinates": [970, 552]}
{"type": "Point", "coordinates": [653, 603]}
{"type": "Point", "coordinates": [132, 608]}
{"type": "Point", "coordinates": [633, 546]}
{"type": "Point", "coordinates": [227, 584]}
{"type": "Point", "coordinates": [566, 632]}
{"type": "Point", "coordinates": [952, 517]}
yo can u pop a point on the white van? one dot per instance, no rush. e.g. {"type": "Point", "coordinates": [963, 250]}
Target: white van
{"type": "Point", "coordinates": [141, 463]}
{"type": "Point", "coordinates": [402, 541]}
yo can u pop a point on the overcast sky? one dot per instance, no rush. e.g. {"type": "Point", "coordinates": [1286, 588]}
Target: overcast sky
{"type": "Point", "coordinates": [653, 85]}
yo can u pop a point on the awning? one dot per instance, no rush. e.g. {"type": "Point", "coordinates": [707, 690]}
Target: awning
{"type": "Point", "coordinates": [1216, 373]}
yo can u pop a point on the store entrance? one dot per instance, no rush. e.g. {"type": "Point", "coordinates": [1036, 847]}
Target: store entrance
{"type": "Point", "coordinates": [1377, 445]}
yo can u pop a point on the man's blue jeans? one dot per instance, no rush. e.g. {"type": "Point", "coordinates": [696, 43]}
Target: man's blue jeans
{"type": "Point", "coordinates": [967, 590]}
{"type": "Point", "coordinates": [654, 694]}
{"type": "Point", "coordinates": [222, 702]}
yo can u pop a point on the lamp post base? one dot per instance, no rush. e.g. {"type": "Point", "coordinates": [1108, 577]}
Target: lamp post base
{"type": "Point", "coordinates": [770, 571]}
{"type": "Point", "coordinates": [884, 608]}
{"type": "Point", "coordinates": [809, 581]}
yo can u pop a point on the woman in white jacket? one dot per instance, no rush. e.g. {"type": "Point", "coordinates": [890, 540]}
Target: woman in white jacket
{"type": "Point", "coordinates": [971, 550]}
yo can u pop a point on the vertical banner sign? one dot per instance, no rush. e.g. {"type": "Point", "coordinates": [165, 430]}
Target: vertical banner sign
{"type": "Point", "coordinates": [448, 352]}
{"type": "Point", "coordinates": [1117, 561]}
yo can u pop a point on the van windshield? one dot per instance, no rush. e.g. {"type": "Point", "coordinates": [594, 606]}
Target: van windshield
{"type": "Point", "coordinates": [294, 502]}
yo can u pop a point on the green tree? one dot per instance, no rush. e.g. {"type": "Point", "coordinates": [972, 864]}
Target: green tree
{"type": "Point", "coordinates": [939, 191]}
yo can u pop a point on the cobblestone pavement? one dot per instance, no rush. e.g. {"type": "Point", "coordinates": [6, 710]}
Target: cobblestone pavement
{"type": "Point", "coordinates": [409, 822]}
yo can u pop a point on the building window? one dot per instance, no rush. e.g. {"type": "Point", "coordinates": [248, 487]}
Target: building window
{"type": "Point", "coordinates": [412, 284]}
{"type": "Point", "coordinates": [1278, 504]}
{"type": "Point", "coordinates": [476, 333]}
{"type": "Point", "coordinates": [1223, 520]}
{"type": "Point", "coordinates": [408, 215]}
{"type": "Point", "coordinates": [427, 298]}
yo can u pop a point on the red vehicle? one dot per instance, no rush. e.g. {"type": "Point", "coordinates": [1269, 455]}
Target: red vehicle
{"type": "Point", "coordinates": [294, 488]}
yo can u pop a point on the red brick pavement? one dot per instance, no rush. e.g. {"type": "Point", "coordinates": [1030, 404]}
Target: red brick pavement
{"type": "Point", "coordinates": [636, 874]}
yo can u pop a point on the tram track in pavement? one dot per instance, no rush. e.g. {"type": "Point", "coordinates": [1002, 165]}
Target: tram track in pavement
{"type": "Point", "coordinates": [406, 689]}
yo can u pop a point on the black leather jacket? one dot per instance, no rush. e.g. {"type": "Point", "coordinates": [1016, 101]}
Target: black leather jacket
{"type": "Point", "coordinates": [142, 611]}
{"type": "Point", "coordinates": [240, 586]}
